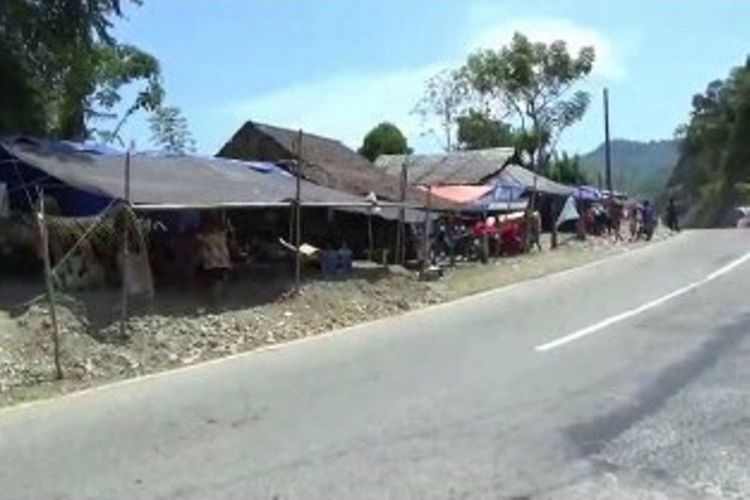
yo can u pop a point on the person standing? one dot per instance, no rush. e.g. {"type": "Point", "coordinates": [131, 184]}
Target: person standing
{"type": "Point", "coordinates": [648, 221]}
{"type": "Point", "coordinates": [214, 261]}
{"type": "Point", "coordinates": [615, 219]}
{"type": "Point", "coordinates": [672, 221]}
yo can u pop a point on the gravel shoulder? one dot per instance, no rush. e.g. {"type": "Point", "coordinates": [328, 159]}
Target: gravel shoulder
{"type": "Point", "coordinates": [178, 331]}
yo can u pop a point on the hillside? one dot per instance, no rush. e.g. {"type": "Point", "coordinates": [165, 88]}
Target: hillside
{"type": "Point", "coordinates": [639, 168]}
{"type": "Point", "coordinates": [712, 176]}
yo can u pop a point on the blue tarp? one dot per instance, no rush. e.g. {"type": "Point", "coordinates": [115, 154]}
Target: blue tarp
{"type": "Point", "coordinates": [22, 179]}
{"type": "Point", "coordinates": [587, 193]}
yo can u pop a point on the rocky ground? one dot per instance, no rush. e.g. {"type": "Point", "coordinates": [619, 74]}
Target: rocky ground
{"type": "Point", "coordinates": [93, 350]}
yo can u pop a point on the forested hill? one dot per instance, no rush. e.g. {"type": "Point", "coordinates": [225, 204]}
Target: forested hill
{"type": "Point", "coordinates": [712, 176]}
{"type": "Point", "coordinates": [638, 168]}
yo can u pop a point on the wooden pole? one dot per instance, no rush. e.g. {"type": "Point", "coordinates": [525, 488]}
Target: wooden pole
{"type": "Point", "coordinates": [530, 208]}
{"type": "Point", "coordinates": [44, 236]}
{"type": "Point", "coordinates": [485, 240]}
{"type": "Point", "coordinates": [125, 250]}
{"type": "Point", "coordinates": [400, 234]}
{"type": "Point", "coordinates": [298, 215]}
{"type": "Point", "coordinates": [426, 241]}
{"type": "Point", "coordinates": [370, 237]}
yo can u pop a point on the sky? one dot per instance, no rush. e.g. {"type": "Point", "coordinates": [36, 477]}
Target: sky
{"type": "Point", "coordinates": [337, 68]}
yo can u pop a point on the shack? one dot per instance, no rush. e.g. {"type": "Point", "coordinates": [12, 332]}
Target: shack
{"type": "Point", "coordinates": [171, 193]}
{"type": "Point", "coordinates": [483, 180]}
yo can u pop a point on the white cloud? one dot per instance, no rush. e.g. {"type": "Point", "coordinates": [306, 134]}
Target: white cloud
{"type": "Point", "coordinates": [345, 107]}
{"type": "Point", "coordinates": [608, 65]}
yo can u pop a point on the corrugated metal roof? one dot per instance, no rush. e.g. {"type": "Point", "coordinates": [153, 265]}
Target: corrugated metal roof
{"type": "Point", "coordinates": [456, 167]}
{"type": "Point", "coordinates": [525, 177]}
{"type": "Point", "coordinates": [327, 162]}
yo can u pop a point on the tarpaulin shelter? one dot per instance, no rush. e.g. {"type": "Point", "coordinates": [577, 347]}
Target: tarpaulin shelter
{"type": "Point", "coordinates": [460, 194]}
{"type": "Point", "coordinates": [587, 193]}
{"type": "Point", "coordinates": [84, 180]}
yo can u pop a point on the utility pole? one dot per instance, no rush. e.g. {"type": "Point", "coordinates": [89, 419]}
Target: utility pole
{"type": "Point", "coordinates": [607, 151]}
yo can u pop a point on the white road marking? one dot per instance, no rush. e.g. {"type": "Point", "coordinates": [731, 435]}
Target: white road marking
{"type": "Point", "coordinates": [642, 308]}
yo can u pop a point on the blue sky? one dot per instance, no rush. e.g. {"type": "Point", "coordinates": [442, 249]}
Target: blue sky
{"type": "Point", "coordinates": [337, 68]}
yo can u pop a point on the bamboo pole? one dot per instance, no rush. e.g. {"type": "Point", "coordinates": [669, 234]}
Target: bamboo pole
{"type": "Point", "coordinates": [125, 250]}
{"type": "Point", "coordinates": [370, 238]}
{"type": "Point", "coordinates": [485, 239]}
{"type": "Point", "coordinates": [400, 233]}
{"type": "Point", "coordinates": [426, 241]}
{"type": "Point", "coordinates": [528, 216]}
{"type": "Point", "coordinates": [298, 216]}
{"type": "Point", "coordinates": [44, 236]}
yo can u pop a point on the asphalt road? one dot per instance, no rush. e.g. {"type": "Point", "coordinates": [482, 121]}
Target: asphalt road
{"type": "Point", "coordinates": [456, 401]}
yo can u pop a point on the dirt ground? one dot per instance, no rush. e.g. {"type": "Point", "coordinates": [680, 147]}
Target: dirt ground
{"type": "Point", "coordinates": [178, 329]}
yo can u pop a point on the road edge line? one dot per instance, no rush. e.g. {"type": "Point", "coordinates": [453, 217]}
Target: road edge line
{"type": "Point", "coordinates": [325, 335]}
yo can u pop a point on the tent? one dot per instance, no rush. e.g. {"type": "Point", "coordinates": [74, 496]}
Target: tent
{"type": "Point", "coordinates": [84, 180]}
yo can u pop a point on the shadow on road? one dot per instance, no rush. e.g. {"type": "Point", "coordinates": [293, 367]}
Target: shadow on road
{"type": "Point", "coordinates": [589, 438]}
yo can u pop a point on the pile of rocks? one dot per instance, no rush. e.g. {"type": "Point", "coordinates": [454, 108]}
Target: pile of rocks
{"type": "Point", "coordinates": [158, 340]}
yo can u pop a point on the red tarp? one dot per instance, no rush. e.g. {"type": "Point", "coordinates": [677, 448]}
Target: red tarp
{"type": "Point", "coordinates": [461, 193]}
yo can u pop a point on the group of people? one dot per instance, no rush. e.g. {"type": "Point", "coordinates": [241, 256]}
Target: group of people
{"type": "Point", "coordinates": [454, 238]}
{"type": "Point", "coordinates": [600, 219]}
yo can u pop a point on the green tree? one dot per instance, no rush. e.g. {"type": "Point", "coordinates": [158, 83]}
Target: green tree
{"type": "Point", "coordinates": [385, 138]}
{"type": "Point", "coordinates": [478, 131]}
{"type": "Point", "coordinates": [445, 96]}
{"type": "Point", "coordinates": [531, 83]}
{"type": "Point", "coordinates": [170, 132]}
{"type": "Point", "coordinates": [62, 69]}
{"type": "Point", "coordinates": [567, 170]}
{"type": "Point", "coordinates": [713, 172]}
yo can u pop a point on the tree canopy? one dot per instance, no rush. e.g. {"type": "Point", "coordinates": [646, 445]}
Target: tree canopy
{"type": "Point", "coordinates": [62, 70]}
{"type": "Point", "coordinates": [385, 138]}
{"type": "Point", "coordinates": [524, 87]}
{"type": "Point", "coordinates": [169, 131]}
{"type": "Point", "coordinates": [445, 97]}
{"type": "Point", "coordinates": [567, 170]}
{"type": "Point", "coordinates": [478, 131]}
{"type": "Point", "coordinates": [713, 172]}
{"type": "Point", "coordinates": [531, 83]}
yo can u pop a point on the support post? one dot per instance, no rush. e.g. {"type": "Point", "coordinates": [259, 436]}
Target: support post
{"type": "Point", "coordinates": [370, 237]}
{"type": "Point", "coordinates": [298, 215]}
{"type": "Point", "coordinates": [530, 209]}
{"type": "Point", "coordinates": [49, 288]}
{"type": "Point", "coordinates": [400, 234]}
{"type": "Point", "coordinates": [427, 224]}
{"type": "Point", "coordinates": [125, 250]}
{"type": "Point", "coordinates": [485, 239]}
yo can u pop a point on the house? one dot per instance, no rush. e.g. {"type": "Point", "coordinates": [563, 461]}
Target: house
{"type": "Point", "coordinates": [454, 168]}
{"type": "Point", "coordinates": [484, 179]}
{"type": "Point", "coordinates": [476, 167]}
{"type": "Point", "coordinates": [326, 162]}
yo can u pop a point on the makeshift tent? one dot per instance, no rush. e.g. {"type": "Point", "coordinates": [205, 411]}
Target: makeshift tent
{"type": "Point", "coordinates": [568, 212]}
{"type": "Point", "coordinates": [84, 181]}
{"type": "Point", "coordinates": [520, 176]}
{"type": "Point", "coordinates": [587, 193]}
{"type": "Point", "coordinates": [460, 193]}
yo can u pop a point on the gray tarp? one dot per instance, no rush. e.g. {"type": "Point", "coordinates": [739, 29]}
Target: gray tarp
{"type": "Point", "coordinates": [175, 181]}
